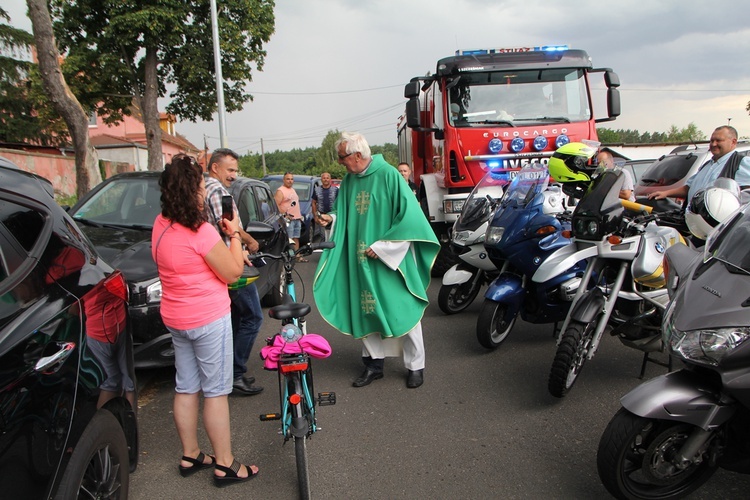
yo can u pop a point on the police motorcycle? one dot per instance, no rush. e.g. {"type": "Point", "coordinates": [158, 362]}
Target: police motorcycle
{"type": "Point", "coordinates": [623, 286]}
{"type": "Point", "coordinates": [463, 281]}
{"type": "Point", "coordinates": [526, 228]}
{"type": "Point", "coordinates": [675, 430]}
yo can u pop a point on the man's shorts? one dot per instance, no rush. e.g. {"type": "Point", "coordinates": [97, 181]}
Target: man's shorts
{"type": "Point", "coordinates": [294, 228]}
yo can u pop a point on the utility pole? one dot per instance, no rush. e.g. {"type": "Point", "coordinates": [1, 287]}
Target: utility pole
{"type": "Point", "coordinates": [263, 158]}
{"type": "Point", "coordinates": [219, 77]}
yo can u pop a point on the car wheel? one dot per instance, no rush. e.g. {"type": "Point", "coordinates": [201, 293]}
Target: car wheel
{"type": "Point", "coordinates": [99, 464]}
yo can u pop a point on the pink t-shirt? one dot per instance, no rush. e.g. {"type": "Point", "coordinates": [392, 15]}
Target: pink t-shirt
{"type": "Point", "coordinates": [290, 195]}
{"type": "Point", "coordinates": [192, 294]}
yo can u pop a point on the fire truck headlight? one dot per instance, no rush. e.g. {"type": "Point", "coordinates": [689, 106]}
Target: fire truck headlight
{"type": "Point", "coordinates": [540, 142]}
{"type": "Point", "coordinates": [517, 145]}
{"type": "Point", "coordinates": [561, 140]}
{"type": "Point", "coordinates": [495, 145]}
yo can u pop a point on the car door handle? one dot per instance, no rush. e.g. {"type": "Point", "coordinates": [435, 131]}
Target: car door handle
{"type": "Point", "coordinates": [50, 364]}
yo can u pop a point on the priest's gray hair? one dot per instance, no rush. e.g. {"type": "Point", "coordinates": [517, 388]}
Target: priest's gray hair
{"type": "Point", "coordinates": [355, 143]}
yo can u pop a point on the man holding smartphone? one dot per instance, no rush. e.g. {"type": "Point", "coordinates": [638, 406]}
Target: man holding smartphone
{"type": "Point", "coordinates": [247, 315]}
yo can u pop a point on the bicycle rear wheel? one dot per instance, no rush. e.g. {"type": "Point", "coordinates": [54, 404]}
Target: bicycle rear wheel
{"type": "Point", "coordinates": [303, 473]}
{"type": "Point", "coordinates": [300, 437]}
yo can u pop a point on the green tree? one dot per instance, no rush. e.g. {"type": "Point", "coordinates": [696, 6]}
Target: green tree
{"type": "Point", "coordinates": [326, 159]}
{"type": "Point", "coordinates": [66, 104]}
{"type": "Point", "coordinates": [674, 134]}
{"type": "Point", "coordinates": [121, 53]}
{"type": "Point", "coordinates": [389, 152]}
{"type": "Point", "coordinates": [607, 135]}
{"type": "Point", "coordinates": [28, 117]}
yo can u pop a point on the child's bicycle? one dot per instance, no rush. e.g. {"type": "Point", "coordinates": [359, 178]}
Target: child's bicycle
{"type": "Point", "coordinates": [289, 352]}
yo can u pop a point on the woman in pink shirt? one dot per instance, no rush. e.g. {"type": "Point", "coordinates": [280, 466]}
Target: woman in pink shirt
{"type": "Point", "coordinates": [195, 267]}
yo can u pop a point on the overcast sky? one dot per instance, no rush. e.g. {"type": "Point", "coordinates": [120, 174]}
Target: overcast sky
{"type": "Point", "coordinates": [342, 64]}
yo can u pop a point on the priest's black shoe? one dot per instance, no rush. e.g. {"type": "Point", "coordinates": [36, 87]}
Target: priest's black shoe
{"type": "Point", "coordinates": [367, 377]}
{"type": "Point", "coordinates": [241, 387]}
{"type": "Point", "coordinates": [415, 379]}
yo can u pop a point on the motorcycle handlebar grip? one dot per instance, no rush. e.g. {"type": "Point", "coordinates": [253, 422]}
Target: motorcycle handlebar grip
{"type": "Point", "coordinates": [636, 207]}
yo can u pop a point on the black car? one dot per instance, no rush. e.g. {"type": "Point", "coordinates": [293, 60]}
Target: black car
{"type": "Point", "coordinates": [66, 424]}
{"type": "Point", "coordinates": [255, 203]}
{"type": "Point", "coordinates": [304, 185]}
{"type": "Point", "coordinates": [118, 216]}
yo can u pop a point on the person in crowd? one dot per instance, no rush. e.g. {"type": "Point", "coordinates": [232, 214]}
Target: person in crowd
{"type": "Point", "coordinates": [247, 315]}
{"type": "Point", "coordinates": [322, 201]}
{"type": "Point", "coordinates": [405, 170]}
{"type": "Point", "coordinates": [288, 202]}
{"type": "Point", "coordinates": [195, 266]}
{"type": "Point", "coordinates": [724, 162]}
{"type": "Point", "coordinates": [605, 159]}
{"type": "Point", "coordinates": [373, 284]}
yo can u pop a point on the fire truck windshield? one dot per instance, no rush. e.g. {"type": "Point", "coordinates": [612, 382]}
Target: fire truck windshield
{"type": "Point", "coordinates": [518, 98]}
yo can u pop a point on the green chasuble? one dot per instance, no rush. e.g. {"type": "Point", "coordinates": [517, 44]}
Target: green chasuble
{"type": "Point", "coordinates": [358, 295]}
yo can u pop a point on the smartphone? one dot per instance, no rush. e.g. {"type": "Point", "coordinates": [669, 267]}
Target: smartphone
{"type": "Point", "coordinates": [227, 208]}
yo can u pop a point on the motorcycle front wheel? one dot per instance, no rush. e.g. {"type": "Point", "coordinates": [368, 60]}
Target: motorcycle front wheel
{"type": "Point", "coordinates": [635, 459]}
{"type": "Point", "coordinates": [570, 357]}
{"type": "Point", "coordinates": [453, 299]}
{"type": "Point", "coordinates": [492, 328]}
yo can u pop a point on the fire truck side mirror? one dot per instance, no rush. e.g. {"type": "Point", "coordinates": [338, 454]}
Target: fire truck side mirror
{"type": "Point", "coordinates": [412, 89]}
{"type": "Point", "coordinates": [613, 102]}
{"type": "Point", "coordinates": [611, 79]}
{"type": "Point", "coordinates": [412, 112]}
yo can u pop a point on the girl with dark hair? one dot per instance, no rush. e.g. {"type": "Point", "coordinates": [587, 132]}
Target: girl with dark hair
{"type": "Point", "coordinates": [195, 267]}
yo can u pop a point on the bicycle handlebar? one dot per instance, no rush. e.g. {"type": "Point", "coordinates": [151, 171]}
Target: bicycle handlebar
{"type": "Point", "coordinates": [303, 250]}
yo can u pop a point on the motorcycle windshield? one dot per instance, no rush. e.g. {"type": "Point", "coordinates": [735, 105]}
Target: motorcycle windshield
{"type": "Point", "coordinates": [483, 199]}
{"type": "Point", "coordinates": [529, 182]}
{"type": "Point", "coordinates": [730, 241]}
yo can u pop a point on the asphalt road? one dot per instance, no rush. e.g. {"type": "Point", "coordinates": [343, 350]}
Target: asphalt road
{"type": "Point", "coordinates": [482, 426]}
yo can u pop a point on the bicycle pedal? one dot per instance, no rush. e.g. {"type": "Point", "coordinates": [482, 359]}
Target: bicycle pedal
{"type": "Point", "coordinates": [326, 398]}
{"type": "Point", "coordinates": [270, 416]}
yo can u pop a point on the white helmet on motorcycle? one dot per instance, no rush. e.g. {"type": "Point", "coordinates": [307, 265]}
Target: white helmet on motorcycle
{"type": "Point", "coordinates": [711, 206]}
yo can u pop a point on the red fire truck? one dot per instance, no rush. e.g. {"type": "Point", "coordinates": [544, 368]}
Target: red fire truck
{"type": "Point", "coordinates": [494, 108]}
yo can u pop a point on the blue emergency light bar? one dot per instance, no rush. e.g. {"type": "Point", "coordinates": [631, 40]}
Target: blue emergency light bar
{"type": "Point", "coordinates": [482, 52]}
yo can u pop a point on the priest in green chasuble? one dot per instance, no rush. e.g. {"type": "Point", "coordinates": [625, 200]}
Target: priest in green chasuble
{"type": "Point", "coordinates": [373, 284]}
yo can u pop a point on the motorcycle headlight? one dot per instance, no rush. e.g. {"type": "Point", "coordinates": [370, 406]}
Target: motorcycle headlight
{"type": "Point", "coordinates": [494, 235]}
{"type": "Point", "coordinates": [586, 228]}
{"type": "Point", "coordinates": [707, 346]}
{"type": "Point", "coordinates": [153, 292]}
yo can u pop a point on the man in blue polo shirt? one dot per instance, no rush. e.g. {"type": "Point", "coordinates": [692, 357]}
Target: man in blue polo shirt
{"type": "Point", "coordinates": [724, 163]}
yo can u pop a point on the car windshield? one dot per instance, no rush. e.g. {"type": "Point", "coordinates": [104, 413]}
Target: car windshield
{"type": "Point", "coordinates": [730, 241]}
{"type": "Point", "coordinates": [519, 98]}
{"type": "Point", "coordinates": [668, 170]}
{"type": "Point", "coordinates": [123, 202]}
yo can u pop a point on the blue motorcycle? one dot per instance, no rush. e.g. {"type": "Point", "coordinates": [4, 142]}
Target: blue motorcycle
{"type": "Point", "coordinates": [526, 228]}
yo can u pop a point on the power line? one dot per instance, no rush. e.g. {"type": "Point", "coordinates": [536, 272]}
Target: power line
{"type": "Point", "coordinates": [329, 92]}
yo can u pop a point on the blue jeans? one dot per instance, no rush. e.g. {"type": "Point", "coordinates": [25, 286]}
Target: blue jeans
{"type": "Point", "coordinates": [247, 317]}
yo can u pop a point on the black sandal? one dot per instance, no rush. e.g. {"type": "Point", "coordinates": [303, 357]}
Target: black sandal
{"type": "Point", "coordinates": [198, 464]}
{"type": "Point", "coordinates": [232, 476]}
